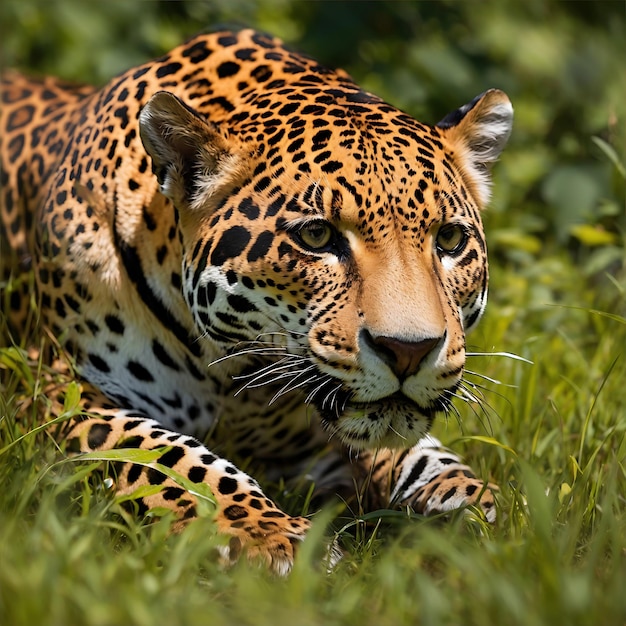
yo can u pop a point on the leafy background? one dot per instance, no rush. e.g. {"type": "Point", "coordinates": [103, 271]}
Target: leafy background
{"type": "Point", "coordinates": [556, 228]}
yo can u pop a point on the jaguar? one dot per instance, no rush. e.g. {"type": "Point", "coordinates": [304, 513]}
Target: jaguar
{"type": "Point", "coordinates": [248, 258]}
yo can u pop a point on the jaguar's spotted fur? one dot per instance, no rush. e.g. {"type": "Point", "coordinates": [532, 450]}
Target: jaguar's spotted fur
{"type": "Point", "coordinates": [243, 248]}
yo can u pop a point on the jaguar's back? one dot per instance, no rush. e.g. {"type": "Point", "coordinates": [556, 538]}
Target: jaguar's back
{"type": "Point", "coordinates": [36, 124]}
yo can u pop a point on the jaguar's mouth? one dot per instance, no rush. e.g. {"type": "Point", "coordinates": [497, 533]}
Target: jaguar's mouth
{"type": "Point", "coordinates": [396, 398]}
{"type": "Point", "coordinates": [394, 421]}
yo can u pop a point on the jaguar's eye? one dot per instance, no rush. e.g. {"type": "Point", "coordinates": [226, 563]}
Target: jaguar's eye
{"type": "Point", "coordinates": [451, 239]}
{"type": "Point", "coordinates": [315, 235]}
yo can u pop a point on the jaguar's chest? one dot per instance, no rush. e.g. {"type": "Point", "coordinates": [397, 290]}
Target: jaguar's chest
{"type": "Point", "coordinates": [199, 394]}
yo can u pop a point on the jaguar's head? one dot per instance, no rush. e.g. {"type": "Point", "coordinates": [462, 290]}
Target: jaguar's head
{"type": "Point", "coordinates": [340, 240]}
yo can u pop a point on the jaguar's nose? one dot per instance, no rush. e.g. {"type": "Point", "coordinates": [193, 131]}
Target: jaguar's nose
{"type": "Point", "coordinates": [403, 357]}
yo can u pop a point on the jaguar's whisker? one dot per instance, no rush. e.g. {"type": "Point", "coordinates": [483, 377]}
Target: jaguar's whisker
{"type": "Point", "coordinates": [484, 407]}
{"type": "Point", "coordinates": [282, 364]}
{"type": "Point", "coordinates": [466, 395]}
{"type": "Point", "coordinates": [327, 379]}
{"type": "Point", "coordinates": [267, 376]}
{"type": "Point", "coordinates": [494, 381]}
{"type": "Point", "coordinates": [290, 386]}
{"type": "Point", "coordinates": [506, 355]}
{"type": "Point", "coordinates": [248, 351]}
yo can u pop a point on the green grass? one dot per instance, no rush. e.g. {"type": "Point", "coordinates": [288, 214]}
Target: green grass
{"type": "Point", "coordinates": [552, 437]}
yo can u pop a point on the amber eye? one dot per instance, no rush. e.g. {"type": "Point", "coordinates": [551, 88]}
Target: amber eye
{"type": "Point", "coordinates": [315, 235]}
{"type": "Point", "coordinates": [451, 239]}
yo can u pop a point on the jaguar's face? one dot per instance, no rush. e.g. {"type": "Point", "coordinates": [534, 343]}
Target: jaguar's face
{"type": "Point", "coordinates": [348, 256]}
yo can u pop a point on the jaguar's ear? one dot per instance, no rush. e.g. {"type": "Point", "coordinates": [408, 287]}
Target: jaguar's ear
{"type": "Point", "coordinates": [480, 130]}
{"type": "Point", "coordinates": [190, 158]}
